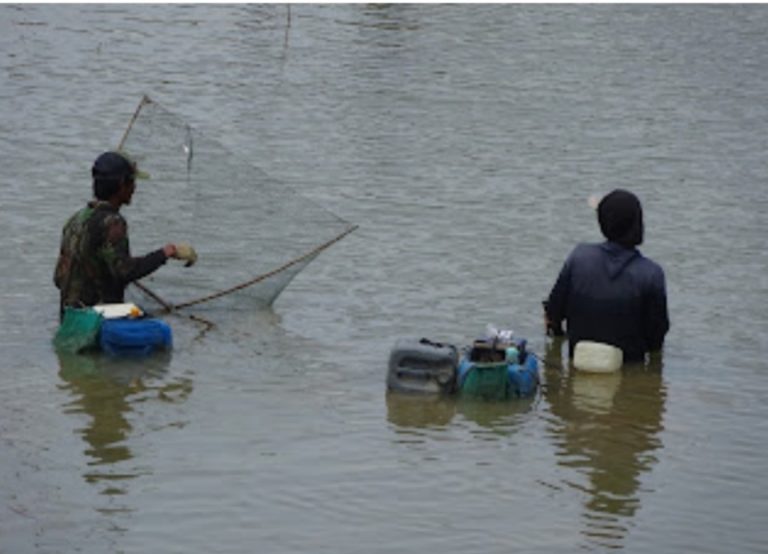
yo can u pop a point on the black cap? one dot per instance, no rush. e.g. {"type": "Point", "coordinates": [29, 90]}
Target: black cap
{"type": "Point", "coordinates": [116, 164]}
{"type": "Point", "coordinates": [112, 164]}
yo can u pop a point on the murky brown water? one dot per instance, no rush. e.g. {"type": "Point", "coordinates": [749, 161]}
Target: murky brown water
{"type": "Point", "coordinates": [465, 141]}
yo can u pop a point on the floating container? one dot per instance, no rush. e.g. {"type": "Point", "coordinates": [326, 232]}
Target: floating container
{"type": "Point", "coordinates": [497, 371]}
{"type": "Point", "coordinates": [134, 337]}
{"type": "Point", "coordinates": [597, 357]}
{"type": "Point", "coordinates": [422, 366]}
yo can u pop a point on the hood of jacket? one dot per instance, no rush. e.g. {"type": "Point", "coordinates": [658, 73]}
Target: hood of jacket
{"type": "Point", "coordinates": [620, 216]}
{"type": "Point", "coordinates": [618, 257]}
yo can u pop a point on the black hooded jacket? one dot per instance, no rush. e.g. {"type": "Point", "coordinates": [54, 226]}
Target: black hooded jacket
{"type": "Point", "coordinates": [612, 294]}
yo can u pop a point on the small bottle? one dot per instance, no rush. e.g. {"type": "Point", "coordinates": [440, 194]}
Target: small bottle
{"type": "Point", "coordinates": [512, 355]}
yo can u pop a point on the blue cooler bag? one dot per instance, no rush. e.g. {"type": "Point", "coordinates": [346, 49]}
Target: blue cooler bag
{"type": "Point", "coordinates": [134, 337]}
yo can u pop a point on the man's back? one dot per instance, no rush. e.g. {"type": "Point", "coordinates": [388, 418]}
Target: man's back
{"type": "Point", "coordinates": [612, 294]}
{"type": "Point", "coordinates": [94, 264]}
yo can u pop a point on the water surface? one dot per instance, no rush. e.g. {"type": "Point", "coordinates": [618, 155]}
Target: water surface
{"type": "Point", "coordinates": [465, 141]}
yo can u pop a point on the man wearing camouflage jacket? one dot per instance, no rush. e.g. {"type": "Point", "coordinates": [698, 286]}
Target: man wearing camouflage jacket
{"type": "Point", "coordinates": [95, 265]}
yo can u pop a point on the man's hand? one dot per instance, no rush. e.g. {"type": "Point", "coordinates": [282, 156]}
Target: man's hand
{"type": "Point", "coordinates": [552, 329]}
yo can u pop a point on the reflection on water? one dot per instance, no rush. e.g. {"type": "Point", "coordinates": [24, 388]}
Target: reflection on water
{"type": "Point", "coordinates": [494, 420]}
{"type": "Point", "coordinates": [107, 389]}
{"type": "Point", "coordinates": [411, 413]}
{"type": "Point", "coordinates": [606, 428]}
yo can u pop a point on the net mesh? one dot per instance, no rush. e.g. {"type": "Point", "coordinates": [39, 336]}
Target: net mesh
{"type": "Point", "coordinates": [253, 234]}
{"type": "Point", "coordinates": [79, 330]}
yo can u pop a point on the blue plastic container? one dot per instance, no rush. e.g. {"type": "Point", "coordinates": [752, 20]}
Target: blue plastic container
{"type": "Point", "coordinates": [522, 376]}
{"type": "Point", "coordinates": [134, 337]}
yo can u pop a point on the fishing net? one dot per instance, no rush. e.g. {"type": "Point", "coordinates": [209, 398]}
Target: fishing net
{"type": "Point", "coordinates": [253, 234]}
{"type": "Point", "coordinates": [79, 330]}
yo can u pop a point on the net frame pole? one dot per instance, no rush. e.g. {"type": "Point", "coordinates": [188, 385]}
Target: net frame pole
{"type": "Point", "coordinates": [145, 100]}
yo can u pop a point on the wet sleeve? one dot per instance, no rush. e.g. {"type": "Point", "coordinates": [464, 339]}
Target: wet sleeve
{"type": "Point", "coordinates": [557, 303]}
{"type": "Point", "coordinates": [116, 253]}
{"type": "Point", "coordinates": [62, 263]}
{"type": "Point", "coordinates": [657, 316]}
{"type": "Point", "coordinates": [58, 273]}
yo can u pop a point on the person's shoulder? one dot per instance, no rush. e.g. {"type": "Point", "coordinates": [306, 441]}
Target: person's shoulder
{"type": "Point", "coordinates": [585, 250]}
{"type": "Point", "coordinates": [73, 218]}
{"type": "Point", "coordinates": [107, 222]}
{"type": "Point", "coordinates": [113, 218]}
{"type": "Point", "coordinates": [651, 267]}
{"type": "Point", "coordinates": [77, 219]}
{"type": "Point", "coordinates": [115, 227]}
{"type": "Point", "coordinates": [583, 255]}
{"type": "Point", "coordinates": [106, 214]}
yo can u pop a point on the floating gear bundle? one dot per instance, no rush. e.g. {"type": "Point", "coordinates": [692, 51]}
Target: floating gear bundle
{"type": "Point", "coordinates": [496, 367]}
{"type": "Point", "coordinates": [252, 233]}
{"type": "Point", "coordinates": [116, 329]}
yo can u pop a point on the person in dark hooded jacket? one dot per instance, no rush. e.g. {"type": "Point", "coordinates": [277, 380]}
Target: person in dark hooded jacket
{"type": "Point", "coordinates": [609, 292]}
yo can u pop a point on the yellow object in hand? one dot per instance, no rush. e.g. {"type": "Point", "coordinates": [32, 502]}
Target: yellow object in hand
{"type": "Point", "coordinates": [185, 252]}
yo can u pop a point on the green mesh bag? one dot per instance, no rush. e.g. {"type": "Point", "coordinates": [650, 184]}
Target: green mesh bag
{"type": "Point", "coordinates": [78, 331]}
{"type": "Point", "coordinates": [489, 381]}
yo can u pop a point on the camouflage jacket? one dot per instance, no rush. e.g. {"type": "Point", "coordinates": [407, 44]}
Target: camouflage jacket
{"type": "Point", "coordinates": [95, 264]}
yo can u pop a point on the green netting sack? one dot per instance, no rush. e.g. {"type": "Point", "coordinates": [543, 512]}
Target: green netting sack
{"type": "Point", "coordinates": [79, 330]}
{"type": "Point", "coordinates": [489, 381]}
